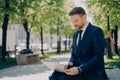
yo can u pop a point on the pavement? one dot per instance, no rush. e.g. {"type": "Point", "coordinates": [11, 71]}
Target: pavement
{"type": "Point", "coordinates": [35, 71]}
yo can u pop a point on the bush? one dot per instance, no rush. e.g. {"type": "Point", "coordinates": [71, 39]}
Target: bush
{"type": "Point", "coordinates": [113, 63]}
{"type": "Point", "coordinates": [10, 62]}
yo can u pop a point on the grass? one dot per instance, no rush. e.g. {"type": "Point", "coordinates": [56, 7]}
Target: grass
{"type": "Point", "coordinates": [48, 54]}
{"type": "Point", "coordinates": [113, 63]}
{"type": "Point", "coordinates": [10, 62]}
{"type": "Point", "coordinates": [109, 63]}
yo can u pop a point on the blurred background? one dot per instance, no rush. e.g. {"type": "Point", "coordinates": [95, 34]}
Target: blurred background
{"type": "Point", "coordinates": [44, 25]}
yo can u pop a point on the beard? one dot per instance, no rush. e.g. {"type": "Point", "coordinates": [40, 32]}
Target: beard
{"type": "Point", "coordinates": [78, 26]}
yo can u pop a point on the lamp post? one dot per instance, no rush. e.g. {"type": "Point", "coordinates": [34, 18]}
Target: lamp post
{"type": "Point", "coordinates": [108, 41]}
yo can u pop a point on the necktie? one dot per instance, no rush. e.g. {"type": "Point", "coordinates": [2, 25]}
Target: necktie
{"type": "Point", "coordinates": [79, 38]}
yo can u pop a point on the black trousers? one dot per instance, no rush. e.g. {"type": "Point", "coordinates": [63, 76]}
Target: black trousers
{"type": "Point", "coordinates": [62, 76]}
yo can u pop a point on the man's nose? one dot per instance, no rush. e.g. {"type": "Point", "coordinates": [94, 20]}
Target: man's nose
{"type": "Point", "coordinates": [74, 23]}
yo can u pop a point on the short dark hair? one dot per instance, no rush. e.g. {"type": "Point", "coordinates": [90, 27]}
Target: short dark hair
{"type": "Point", "coordinates": [77, 10]}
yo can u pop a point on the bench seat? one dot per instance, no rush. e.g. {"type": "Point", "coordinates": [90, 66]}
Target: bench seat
{"type": "Point", "coordinates": [27, 58]}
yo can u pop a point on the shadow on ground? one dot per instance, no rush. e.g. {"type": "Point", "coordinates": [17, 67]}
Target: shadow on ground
{"type": "Point", "coordinates": [23, 70]}
{"type": "Point", "coordinates": [36, 68]}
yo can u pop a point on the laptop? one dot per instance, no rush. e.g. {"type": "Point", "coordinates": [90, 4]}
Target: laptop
{"type": "Point", "coordinates": [54, 66]}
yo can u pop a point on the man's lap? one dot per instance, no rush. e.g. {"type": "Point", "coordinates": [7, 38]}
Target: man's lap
{"type": "Point", "coordinates": [62, 76]}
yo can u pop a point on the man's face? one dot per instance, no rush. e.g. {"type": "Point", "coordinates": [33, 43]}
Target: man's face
{"type": "Point", "coordinates": [78, 20]}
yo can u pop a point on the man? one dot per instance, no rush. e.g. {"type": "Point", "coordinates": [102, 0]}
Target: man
{"type": "Point", "coordinates": [87, 62]}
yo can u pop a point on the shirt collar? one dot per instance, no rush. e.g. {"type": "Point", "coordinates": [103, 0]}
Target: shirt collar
{"type": "Point", "coordinates": [85, 26]}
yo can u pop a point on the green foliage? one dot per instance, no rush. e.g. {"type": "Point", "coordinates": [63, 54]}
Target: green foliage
{"type": "Point", "coordinates": [49, 13]}
{"type": "Point", "coordinates": [10, 62]}
{"type": "Point", "coordinates": [48, 54]}
{"type": "Point", "coordinates": [114, 63]}
{"type": "Point", "coordinates": [39, 13]}
{"type": "Point", "coordinates": [2, 5]}
{"type": "Point", "coordinates": [100, 9]}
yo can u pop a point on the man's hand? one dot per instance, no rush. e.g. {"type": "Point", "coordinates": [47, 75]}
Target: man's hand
{"type": "Point", "coordinates": [70, 64]}
{"type": "Point", "coordinates": [72, 71]}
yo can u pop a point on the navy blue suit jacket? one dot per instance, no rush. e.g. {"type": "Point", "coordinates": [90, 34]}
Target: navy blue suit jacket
{"type": "Point", "coordinates": [89, 54]}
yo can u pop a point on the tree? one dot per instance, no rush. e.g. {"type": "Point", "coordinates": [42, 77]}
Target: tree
{"type": "Point", "coordinates": [27, 30]}
{"type": "Point", "coordinates": [26, 11]}
{"type": "Point", "coordinates": [4, 29]}
{"type": "Point", "coordinates": [34, 14]}
{"type": "Point", "coordinates": [106, 14]}
{"type": "Point", "coordinates": [53, 16]}
{"type": "Point", "coordinates": [101, 8]}
{"type": "Point", "coordinates": [115, 33]}
{"type": "Point", "coordinates": [14, 14]}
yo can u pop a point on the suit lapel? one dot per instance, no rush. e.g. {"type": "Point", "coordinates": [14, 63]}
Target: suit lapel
{"type": "Point", "coordinates": [76, 38]}
{"type": "Point", "coordinates": [85, 36]}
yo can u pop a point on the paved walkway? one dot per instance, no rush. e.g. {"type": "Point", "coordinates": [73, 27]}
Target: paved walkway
{"type": "Point", "coordinates": [36, 71]}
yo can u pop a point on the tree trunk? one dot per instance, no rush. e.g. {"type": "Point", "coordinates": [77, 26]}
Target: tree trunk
{"type": "Point", "coordinates": [25, 24]}
{"type": "Point", "coordinates": [27, 40]}
{"type": "Point", "coordinates": [51, 38]}
{"type": "Point", "coordinates": [108, 49]}
{"type": "Point", "coordinates": [58, 38]}
{"type": "Point", "coordinates": [59, 44]}
{"type": "Point", "coordinates": [4, 36]}
{"type": "Point", "coordinates": [4, 32]}
{"type": "Point", "coordinates": [108, 42]}
{"type": "Point", "coordinates": [65, 43]}
{"type": "Point", "coordinates": [116, 39]}
{"type": "Point", "coordinates": [41, 34]}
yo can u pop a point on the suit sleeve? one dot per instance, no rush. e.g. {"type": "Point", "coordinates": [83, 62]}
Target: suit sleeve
{"type": "Point", "coordinates": [98, 48]}
{"type": "Point", "coordinates": [73, 58]}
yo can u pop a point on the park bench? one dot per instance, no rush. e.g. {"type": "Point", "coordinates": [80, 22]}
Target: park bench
{"type": "Point", "coordinates": [27, 58]}
{"type": "Point", "coordinates": [113, 74]}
